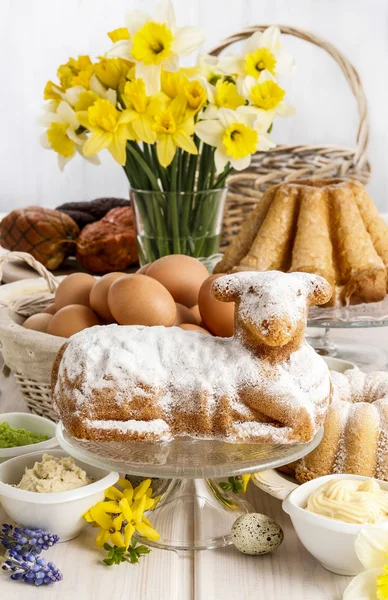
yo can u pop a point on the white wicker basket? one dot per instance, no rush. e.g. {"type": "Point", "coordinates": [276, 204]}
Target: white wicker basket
{"type": "Point", "coordinates": [28, 354]}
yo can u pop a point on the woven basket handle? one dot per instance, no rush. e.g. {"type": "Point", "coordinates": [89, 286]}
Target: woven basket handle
{"type": "Point", "coordinates": [52, 282]}
{"type": "Point", "coordinates": [347, 68]}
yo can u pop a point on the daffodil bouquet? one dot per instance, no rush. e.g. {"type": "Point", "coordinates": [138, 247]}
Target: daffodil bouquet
{"type": "Point", "coordinates": [178, 132]}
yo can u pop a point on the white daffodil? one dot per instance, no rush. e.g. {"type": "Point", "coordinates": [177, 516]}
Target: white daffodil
{"type": "Point", "coordinates": [208, 67]}
{"type": "Point", "coordinates": [261, 52]}
{"type": "Point", "coordinates": [372, 550]}
{"type": "Point", "coordinates": [266, 96]}
{"type": "Point", "coordinates": [61, 134]}
{"type": "Point", "coordinates": [156, 43]}
{"type": "Point", "coordinates": [236, 135]}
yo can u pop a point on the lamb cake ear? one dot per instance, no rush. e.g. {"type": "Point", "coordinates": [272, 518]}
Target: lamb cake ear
{"type": "Point", "coordinates": [225, 288]}
{"type": "Point", "coordinates": [319, 290]}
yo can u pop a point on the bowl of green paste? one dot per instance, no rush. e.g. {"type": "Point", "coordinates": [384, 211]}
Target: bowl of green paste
{"type": "Point", "coordinates": [22, 433]}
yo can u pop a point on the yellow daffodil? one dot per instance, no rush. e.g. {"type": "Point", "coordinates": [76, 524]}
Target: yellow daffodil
{"type": "Point", "coordinates": [75, 72]}
{"type": "Point", "coordinates": [196, 95]}
{"type": "Point", "coordinates": [109, 129]}
{"type": "Point", "coordinates": [156, 43]}
{"type": "Point", "coordinates": [112, 71]}
{"type": "Point", "coordinates": [372, 550]}
{"type": "Point", "coordinates": [236, 135]}
{"type": "Point", "coordinates": [61, 135]}
{"type": "Point", "coordinates": [142, 109]}
{"type": "Point", "coordinates": [223, 94]}
{"type": "Point", "coordinates": [245, 480]}
{"type": "Point", "coordinates": [267, 95]}
{"type": "Point", "coordinates": [174, 127]}
{"type": "Point", "coordinates": [261, 54]}
{"type": "Point", "coordinates": [173, 83]}
{"type": "Point", "coordinates": [121, 33]}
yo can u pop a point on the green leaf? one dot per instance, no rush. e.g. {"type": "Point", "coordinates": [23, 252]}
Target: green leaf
{"type": "Point", "coordinates": [143, 550]}
{"type": "Point", "coordinates": [225, 486]}
{"type": "Point", "coordinates": [108, 561]}
{"type": "Point", "coordinates": [107, 546]}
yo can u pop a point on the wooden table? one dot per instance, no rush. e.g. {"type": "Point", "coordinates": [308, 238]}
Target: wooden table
{"type": "Point", "coordinates": [289, 573]}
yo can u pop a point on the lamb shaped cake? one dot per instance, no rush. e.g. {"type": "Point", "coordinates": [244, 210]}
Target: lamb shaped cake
{"type": "Point", "coordinates": [264, 385]}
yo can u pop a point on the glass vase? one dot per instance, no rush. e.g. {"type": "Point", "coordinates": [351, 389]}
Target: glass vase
{"type": "Point", "coordinates": [178, 222]}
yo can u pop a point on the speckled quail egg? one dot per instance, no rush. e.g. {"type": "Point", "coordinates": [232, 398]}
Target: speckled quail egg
{"type": "Point", "coordinates": [256, 534]}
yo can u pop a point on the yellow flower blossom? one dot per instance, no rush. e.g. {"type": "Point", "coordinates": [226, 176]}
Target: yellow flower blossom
{"type": "Point", "coordinates": [236, 136]}
{"type": "Point", "coordinates": [129, 506]}
{"type": "Point", "coordinates": [174, 127]}
{"type": "Point", "coordinates": [112, 71]}
{"type": "Point", "coordinates": [261, 54]}
{"type": "Point", "coordinates": [142, 109]}
{"type": "Point", "coordinates": [75, 71]}
{"type": "Point", "coordinates": [152, 43]}
{"type": "Point", "coordinates": [267, 95]}
{"type": "Point", "coordinates": [172, 83]}
{"type": "Point", "coordinates": [121, 33]}
{"type": "Point", "coordinates": [61, 135]}
{"type": "Point", "coordinates": [260, 60]}
{"type": "Point", "coordinates": [52, 91]}
{"type": "Point", "coordinates": [227, 96]}
{"type": "Point", "coordinates": [109, 129]}
{"type": "Point", "coordinates": [195, 95]}
{"type": "Point", "coordinates": [245, 480]}
{"type": "Point", "coordinates": [156, 43]}
{"type": "Point", "coordinates": [382, 585]}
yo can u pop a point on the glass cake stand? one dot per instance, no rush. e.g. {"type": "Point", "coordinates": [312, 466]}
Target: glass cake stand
{"type": "Point", "coordinates": [366, 356]}
{"type": "Point", "coordinates": [194, 512]}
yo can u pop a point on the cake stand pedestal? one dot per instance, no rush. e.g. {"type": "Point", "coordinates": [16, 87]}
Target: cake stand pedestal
{"type": "Point", "coordinates": [358, 316]}
{"type": "Point", "coordinates": [194, 512]}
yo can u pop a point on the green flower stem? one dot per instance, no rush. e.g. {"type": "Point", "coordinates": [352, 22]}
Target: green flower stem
{"type": "Point", "coordinates": [174, 207]}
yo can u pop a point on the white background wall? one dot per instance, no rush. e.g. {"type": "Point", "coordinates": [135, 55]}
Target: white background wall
{"type": "Point", "coordinates": [38, 35]}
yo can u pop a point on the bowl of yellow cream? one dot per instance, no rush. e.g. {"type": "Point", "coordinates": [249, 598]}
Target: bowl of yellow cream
{"type": "Point", "coordinates": [328, 513]}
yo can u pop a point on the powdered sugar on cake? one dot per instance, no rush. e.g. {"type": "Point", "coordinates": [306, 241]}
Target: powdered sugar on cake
{"type": "Point", "coordinates": [265, 384]}
{"type": "Point", "coordinates": [141, 361]}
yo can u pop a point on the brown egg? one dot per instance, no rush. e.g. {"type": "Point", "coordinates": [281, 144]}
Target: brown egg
{"type": "Point", "coordinates": [191, 327]}
{"type": "Point", "coordinates": [74, 289]}
{"type": "Point", "coordinates": [50, 309]}
{"type": "Point", "coordinates": [217, 316]}
{"type": "Point", "coordinates": [140, 300]}
{"type": "Point", "coordinates": [181, 275]}
{"type": "Point", "coordinates": [99, 295]}
{"type": "Point", "coordinates": [71, 319]}
{"type": "Point", "coordinates": [38, 322]}
{"type": "Point", "coordinates": [184, 315]}
{"type": "Point", "coordinates": [197, 314]}
{"type": "Point", "coordinates": [143, 270]}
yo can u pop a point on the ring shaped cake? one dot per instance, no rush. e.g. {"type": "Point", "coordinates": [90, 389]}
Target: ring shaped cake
{"type": "Point", "coordinates": [328, 227]}
{"type": "Point", "coordinates": [265, 384]}
{"type": "Point", "coordinates": [356, 429]}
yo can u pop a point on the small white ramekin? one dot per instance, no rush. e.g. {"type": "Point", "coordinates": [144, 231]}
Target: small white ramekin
{"type": "Point", "coordinates": [330, 541]}
{"type": "Point", "coordinates": [59, 513]}
{"type": "Point", "coordinates": [32, 423]}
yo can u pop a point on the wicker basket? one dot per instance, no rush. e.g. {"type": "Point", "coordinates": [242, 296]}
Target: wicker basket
{"type": "Point", "coordinates": [29, 354]}
{"type": "Point", "coordinates": [296, 161]}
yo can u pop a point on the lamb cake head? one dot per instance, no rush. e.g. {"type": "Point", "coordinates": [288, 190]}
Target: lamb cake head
{"type": "Point", "coordinates": [263, 385]}
{"type": "Point", "coordinates": [271, 306]}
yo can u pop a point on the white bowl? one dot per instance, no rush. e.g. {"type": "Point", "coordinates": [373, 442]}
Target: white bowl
{"type": "Point", "coordinates": [60, 512]}
{"type": "Point", "coordinates": [338, 364]}
{"type": "Point", "coordinates": [30, 423]}
{"type": "Point", "coordinates": [330, 541]}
